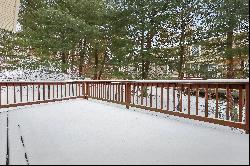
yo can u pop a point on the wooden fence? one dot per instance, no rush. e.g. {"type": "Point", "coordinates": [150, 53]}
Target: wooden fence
{"type": "Point", "coordinates": [220, 102]}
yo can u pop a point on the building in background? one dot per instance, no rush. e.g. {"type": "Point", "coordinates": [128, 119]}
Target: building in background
{"type": "Point", "coordinates": [9, 14]}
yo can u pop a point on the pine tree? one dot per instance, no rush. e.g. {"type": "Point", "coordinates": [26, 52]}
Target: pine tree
{"type": "Point", "coordinates": [228, 31]}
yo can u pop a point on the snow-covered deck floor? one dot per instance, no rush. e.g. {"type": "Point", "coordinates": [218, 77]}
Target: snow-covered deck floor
{"type": "Point", "coordinates": [91, 132]}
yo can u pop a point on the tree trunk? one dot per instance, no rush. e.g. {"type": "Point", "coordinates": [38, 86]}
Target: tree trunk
{"type": "Point", "coordinates": [142, 53]}
{"type": "Point", "coordinates": [181, 62]}
{"type": "Point", "coordinates": [230, 68]}
{"type": "Point", "coordinates": [96, 64]}
{"type": "Point", "coordinates": [242, 68]}
{"type": "Point", "coordinates": [64, 62]}
{"type": "Point", "coordinates": [103, 65]}
{"type": "Point", "coordinates": [146, 61]}
{"type": "Point", "coordinates": [82, 55]}
{"type": "Point", "coordinates": [72, 63]}
{"type": "Point", "coordinates": [182, 50]}
{"type": "Point", "coordinates": [146, 64]}
{"type": "Point", "coordinates": [180, 70]}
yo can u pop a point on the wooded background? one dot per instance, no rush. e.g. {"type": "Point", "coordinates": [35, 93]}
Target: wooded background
{"type": "Point", "coordinates": [131, 39]}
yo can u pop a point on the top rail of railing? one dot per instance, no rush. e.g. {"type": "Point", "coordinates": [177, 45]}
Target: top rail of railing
{"type": "Point", "coordinates": [208, 81]}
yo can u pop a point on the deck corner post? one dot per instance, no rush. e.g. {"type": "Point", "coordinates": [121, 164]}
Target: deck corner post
{"type": "Point", "coordinates": [0, 96]}
{"type": "Point", "coordinates": [247, 108]}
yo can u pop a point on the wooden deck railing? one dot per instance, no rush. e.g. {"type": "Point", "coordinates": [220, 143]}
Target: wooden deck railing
{"type": "Point", "coordinates": [219, 102]}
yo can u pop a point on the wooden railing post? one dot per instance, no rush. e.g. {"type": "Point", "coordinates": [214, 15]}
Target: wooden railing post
{"type": "Point", "coordinates": [48, 91]}
{"type": "Point", "coordinates": [83, 90]}
{"type": "Point", "coordinates": [247, 108]}
{"type": "Point", "coordinates": [87, 94]}
{"type": "Point", "coordinates": [128, 94]}
{"type": "Point", "coordinates": [0, 96]}
{"type": "Point", "coordinates": [7, 93]}
{"type": "Point", "coordinates": [38, 91]}
{"type": "Point", "coordinates": [206, 102]}
{"type": "Point", "coordinates": [43, 92]}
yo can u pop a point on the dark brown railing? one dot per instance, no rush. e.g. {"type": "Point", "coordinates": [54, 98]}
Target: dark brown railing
{"type": "Point", "coordinates": [219, 102]}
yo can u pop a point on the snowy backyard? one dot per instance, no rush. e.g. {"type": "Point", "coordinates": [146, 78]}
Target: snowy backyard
{"type": "Point", "coordinates": [124, 82]}
{"type": "Point", "coordinates": [93, 132]}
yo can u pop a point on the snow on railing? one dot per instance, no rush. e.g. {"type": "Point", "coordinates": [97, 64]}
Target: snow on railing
{"type": "Point", "coordinates": [224, 102]}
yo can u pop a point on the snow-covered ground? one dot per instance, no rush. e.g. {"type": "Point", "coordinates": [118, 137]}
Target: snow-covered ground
{"type": "Point", "coordinates": [34, 75]}
{"type": "Point", "coordinates": [93, 132]}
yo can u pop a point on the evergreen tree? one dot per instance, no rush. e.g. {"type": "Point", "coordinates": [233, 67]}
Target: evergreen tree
{"type": "Point", "coordinates": [227, 35]}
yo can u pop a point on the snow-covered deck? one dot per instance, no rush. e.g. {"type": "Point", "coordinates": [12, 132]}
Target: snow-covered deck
{"type": "Point", "coordinates": [92, 132]}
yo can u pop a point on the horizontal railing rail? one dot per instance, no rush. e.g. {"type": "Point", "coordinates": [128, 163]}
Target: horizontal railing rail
{"type": "Point", "coordinates": [223, 102]}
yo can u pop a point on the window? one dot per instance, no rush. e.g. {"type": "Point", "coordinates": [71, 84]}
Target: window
{"type": "Point", "coordinates": [195, 50]}
{"type": "Point", "coordinates": [211, 67]}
